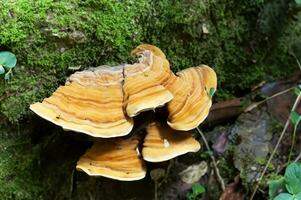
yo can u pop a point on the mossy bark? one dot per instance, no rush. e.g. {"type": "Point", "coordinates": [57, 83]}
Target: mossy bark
{"type": "Point", "coordinates": [246, 42]}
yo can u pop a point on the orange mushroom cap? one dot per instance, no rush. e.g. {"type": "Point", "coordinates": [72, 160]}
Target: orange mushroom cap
{"type": "Point", "coordinates": [91, 103]}
{"type": "Point", "coordinates": [192, 101]}
{"type": "Point", "coordinates": [141, 49]}
{"type": "Point", "coordinates": [190, 88]}
{"type": "Point", "coordinates": [163, 143]}
{"type": "Point", "coordinates": [142, 85]}
{"type": "Point", "coordinates": [100, 102]}
{"type": "Point", "coordinates": [113, 158]}
{"type": "Point", "coordinates": [144, 47]}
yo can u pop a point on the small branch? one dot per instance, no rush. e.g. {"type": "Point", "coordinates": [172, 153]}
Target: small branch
{"type": "Point", "coordinates": [171, 163]}
{"type": "Point", "coordinates": [219, 178]}
{"type": "Point", "coordinates": [298, 158]}
{"type": "Point", "coordinates": [71, 184]}
{"type": "Point", "coordinates": [293, 144]}
{"type": "Point", "coordinates": [275, 149]}
{"type": "Point", "coordinates": [297, 60]}
{"type": "Point", "coordinates": [254, 105]}
{"type": "Point", "coordinates": [156, 190]}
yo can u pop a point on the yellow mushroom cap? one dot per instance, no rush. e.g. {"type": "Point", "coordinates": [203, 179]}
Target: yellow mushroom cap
{"type": "Point", "coordinates": [192, 101]}
{"type": "Point", "coordinates": [142, 85]}
{"type": "Point", "coordinates": [95, 101]}
{"type": "Point", "coordinates": [148, 47]}
{"type": "Point", "coordinates": [163, 143]}
{"type": "Point", "coordinates": [91, 103]}
{"type": "Point", "coordinates": [141, 49]}
{"type": "Point", "coordinates": [101, 101]}
{"type": "Point", "coordinates": [113, 158]}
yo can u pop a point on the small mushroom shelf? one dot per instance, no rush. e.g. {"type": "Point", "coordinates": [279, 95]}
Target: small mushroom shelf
{"type": "Point", "coordinates": [102, 102]}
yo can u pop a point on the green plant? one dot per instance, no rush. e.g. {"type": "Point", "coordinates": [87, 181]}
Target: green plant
{"type": "Point", "coordinates": [7, 62]}
{"type": "Point", "coordinates": [197, 189]}
{"type": "Point", "coordinates": [289, 184]}
{"type": "Point", "coordinates": [295, 118]}
{"type": "Point", "coordinates": [211, 92]}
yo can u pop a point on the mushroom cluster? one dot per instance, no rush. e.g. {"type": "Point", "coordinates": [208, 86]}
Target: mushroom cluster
{"type": "Point", "coordinates": [104, 101]}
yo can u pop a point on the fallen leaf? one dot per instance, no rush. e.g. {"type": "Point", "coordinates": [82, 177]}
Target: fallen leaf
{"type": "Point", "coordinates": [221, 143]}
{"type": "Point", "coordinates": [194, 173]}
{"type": "Point", "coordinates": [233, 191]}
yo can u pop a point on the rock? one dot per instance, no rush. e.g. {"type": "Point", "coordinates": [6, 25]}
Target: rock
{"type": "Point", "coordinates": [194, 173]}
{"type": "Point", "coordinates": [280, 106]}
{"type": "Point", "coordinates": [77, 36]}
{"type": "Point", "coordinates": [253, 130]}
{"type": "Point", "coordinates": [205, 28]}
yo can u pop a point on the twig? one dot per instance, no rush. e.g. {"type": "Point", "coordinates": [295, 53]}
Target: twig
{"type": "Point", "coordinates": [297, 60]}
{"type": "Point", "coordinates": [156, 190]}
{"type": "Point", "coordinates": [299, 64]}
{"type": "Point", "coordinates": [171, 163]}
{"type": "Point", "coordinates": [220, 179]}
{"type": "Point", "coordinates": [298, 158]}
{"type": "Point", "coordinates": [276, 148]}
{"type": "Point", "coordinates": [293, 144]}
{"type": "Point", "coordinates": [254, 105]}
{"type": "Point", "coordinates": [71, 183]}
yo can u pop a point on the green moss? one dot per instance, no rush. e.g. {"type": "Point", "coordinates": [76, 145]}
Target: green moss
{"type": "Point", "coordinates": [48, 37]}
{"type": "Point", "coordinates": [276, 126]}
{"type": "Point", "coordinates": [24, 88]}
{"type": "Point", "coordinates": [36, 164]}
{"type": "Point", "coordinates": [226, 169]}
{"type": "Point", "coordinates": [18, 178]}
{"type": "Point", "coordinates": [234, 43]}
{"type": "Point", "coordinates": [18, 174]}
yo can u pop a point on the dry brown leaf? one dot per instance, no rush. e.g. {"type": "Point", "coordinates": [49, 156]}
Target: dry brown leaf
{"type": "Point", "coordinates": [233, 191]}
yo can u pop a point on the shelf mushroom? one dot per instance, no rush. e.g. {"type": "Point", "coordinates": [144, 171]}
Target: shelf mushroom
{"type": "Point", "coordinates": [191, 90]}
{"type": "Point", "coordinates": [162, 143]}
{"type": "Point", "coordinates": [192, 102]}
{"type": "Point", "coordinates": [113, 158]}
{"type": "Point", "coordinates": [102, 102]}
{"type": "Point", "coordinates": [158, 55]}
{"type": "Point", "coordinates": [91, 102]}
{"type": "Point", "coordinates": [142, 85]}
{"type": "Point", "coordinates": [148, 47]}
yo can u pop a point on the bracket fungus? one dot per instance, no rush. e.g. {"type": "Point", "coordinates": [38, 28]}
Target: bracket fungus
{"type": "Point", "coordinates": [91, 102]}
{"type": "Point", "coordinates": [113, 158]}
{"type": "Point", "coordinates": [102, 102]}
{"type": "Point", "coordinates": [192, 102]}
{"type": "Point", "coordinates": [142, 84]}
{"type": "Point", "coordinates": [163, 143]}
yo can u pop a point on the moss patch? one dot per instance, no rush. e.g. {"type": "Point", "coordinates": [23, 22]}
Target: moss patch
{"type": "Point", "coordinates": [236, 38]}
{"type": "Point", "coordinates": [49, 36]}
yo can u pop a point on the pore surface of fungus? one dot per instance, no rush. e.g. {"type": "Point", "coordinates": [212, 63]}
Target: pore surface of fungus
{"type": "Point", "coordinates": [113, 158]}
